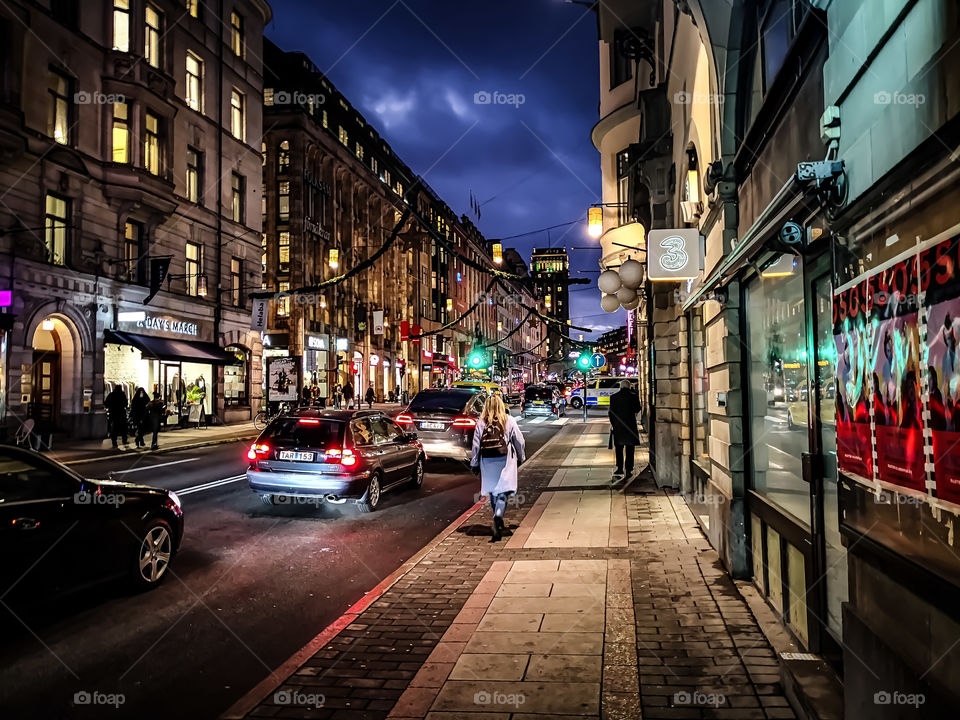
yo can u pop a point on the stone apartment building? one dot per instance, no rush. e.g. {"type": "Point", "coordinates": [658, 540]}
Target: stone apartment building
{"type": "Point", "coordinates": [130, 175]}
{"type": "Point", "coordinates": [812, 146]}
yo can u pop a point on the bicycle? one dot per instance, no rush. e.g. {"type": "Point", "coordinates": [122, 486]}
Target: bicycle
{"type": "Point", "coordinates": [265, 417]}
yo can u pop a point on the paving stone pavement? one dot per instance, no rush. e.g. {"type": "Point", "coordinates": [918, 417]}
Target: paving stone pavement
{"type": "Point", "coordinates": [634, 619]}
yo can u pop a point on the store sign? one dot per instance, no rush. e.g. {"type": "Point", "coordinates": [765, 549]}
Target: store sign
{"type": "Point", "coordinates": [317, 342]}
{"type": "Point", "coordinates": [258, 319]}
{"type": "Point", "coordinates": [674, 254]}
{"type": "Point", "coordinates": [166, 324]}
{"type": "Point", "coordinates": [374, 360]}
{"type": "Point", "coordinates": [378, 322]}
{"type": "Point", "coordinates": [283, 378]}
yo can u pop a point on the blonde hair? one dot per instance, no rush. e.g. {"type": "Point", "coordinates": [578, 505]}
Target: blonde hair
{"type": "Point", "coordinates": [494, 411]}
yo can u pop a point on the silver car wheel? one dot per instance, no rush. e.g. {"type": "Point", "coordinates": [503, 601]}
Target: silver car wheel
{"type": "Point", "coordinates": [155, 552]}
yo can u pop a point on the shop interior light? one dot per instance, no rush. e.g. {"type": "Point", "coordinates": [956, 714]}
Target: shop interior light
{"type": "Point", "coordinates": [595, 222]}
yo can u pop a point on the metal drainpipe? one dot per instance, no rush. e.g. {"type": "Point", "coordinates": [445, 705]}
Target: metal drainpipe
{"type": "Point", "coordinates": [651, 377]}
{"type": "Point", "coordinates": [217, 309]}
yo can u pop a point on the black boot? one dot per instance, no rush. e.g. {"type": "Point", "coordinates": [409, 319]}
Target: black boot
{"type": "Point", "coordinates": [497, 529]}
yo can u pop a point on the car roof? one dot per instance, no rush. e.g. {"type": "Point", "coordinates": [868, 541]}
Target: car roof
{"type": "Point", "coordinates": [431, 391]}
{"type": "Point", "coordinates": [333, 415]}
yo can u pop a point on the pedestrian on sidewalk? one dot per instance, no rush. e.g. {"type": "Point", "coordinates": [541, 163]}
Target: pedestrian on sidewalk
{"type": "Point", "coordinates": [348, 395]}
{"type": "Point", "coordinates": [369, 396]}
{"type": "Point", "coordinates": [624, 433]}
{"type": "Point", "coordinates": [498, 449]}
{"type": "Point", "coordinates": [337, 396]}
{"type": "Point", "coordinates": [138, 415]}
{"type": "Point", "coordinates": [116, 405]}
{"type": "Point", "coordinates": [156, 409]}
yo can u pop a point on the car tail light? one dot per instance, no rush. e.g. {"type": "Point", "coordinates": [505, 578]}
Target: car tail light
{"type": "Point", "coordinates": [258, 451]}
{"type": "Point", "coordinates": [464, 422]}
{"type": "Point", "coordinates": [309, 421]}
{"type": "Point", "coordinates": [403, 420]}
{"type": "Point", "coordinates": [341, 457]}
{"type": "Point", "coordinates": [553, 408]}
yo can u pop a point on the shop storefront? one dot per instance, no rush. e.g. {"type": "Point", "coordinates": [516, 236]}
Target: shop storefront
{"type": "Point", "coordinates": [169, 362]}
{"type": "Point", "coordinates": [316, 349]}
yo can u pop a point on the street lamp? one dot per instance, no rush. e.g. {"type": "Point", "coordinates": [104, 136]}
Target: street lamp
{"type": "Point", "coordinates": [497, 252]}
{"type": "Point", "coordinates": [333, 258]}
{"type": "Point", "coordinates": [595, 222]}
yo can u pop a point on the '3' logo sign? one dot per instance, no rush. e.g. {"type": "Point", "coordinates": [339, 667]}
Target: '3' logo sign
{"type": "Point", "coordinates": [676, 257]}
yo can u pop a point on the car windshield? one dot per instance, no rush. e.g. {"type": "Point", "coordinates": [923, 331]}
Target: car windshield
{"type": "Point", "coordinates": [540, 393]}
{"type": "Point", "coordinates": [443, 401]}
{"type": "Point", "coordinates": [313, 432]}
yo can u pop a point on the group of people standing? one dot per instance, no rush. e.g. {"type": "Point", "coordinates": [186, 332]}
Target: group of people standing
{"type": "Point", "coordinates": [145, 415]}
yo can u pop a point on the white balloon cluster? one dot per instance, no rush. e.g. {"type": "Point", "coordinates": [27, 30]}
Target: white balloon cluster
{"type": "Point", "coordinates": [621, 289]}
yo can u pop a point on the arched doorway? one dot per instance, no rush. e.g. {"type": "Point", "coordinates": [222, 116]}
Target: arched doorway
{"type": "Point", "coordinates": [51, 380]}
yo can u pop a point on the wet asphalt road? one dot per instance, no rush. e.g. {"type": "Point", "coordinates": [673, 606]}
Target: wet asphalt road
{"type": "Point", "coordinates": [251, 585]}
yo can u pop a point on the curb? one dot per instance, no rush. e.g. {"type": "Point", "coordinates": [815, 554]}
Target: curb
{"type": "Point", "coordinates": [246, 704]}
{"type": "Point", "coordinates": [174, 448]}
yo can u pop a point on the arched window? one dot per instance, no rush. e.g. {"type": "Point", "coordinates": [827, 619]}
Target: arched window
{"type": "Point", "coordinates": [235, 377]}
{"type": "Point", "coordinates": [283, 157]}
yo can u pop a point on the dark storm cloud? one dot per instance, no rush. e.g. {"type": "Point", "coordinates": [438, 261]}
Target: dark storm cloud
{"type": "Point", "coordinates": [414, 68]}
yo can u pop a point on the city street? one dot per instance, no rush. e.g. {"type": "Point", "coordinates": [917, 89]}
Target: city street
{"type": "Point", "coordinates": [251, 585]}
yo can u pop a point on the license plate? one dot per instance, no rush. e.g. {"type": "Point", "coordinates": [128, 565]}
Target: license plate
{"type": "Point", "coordinates": [431, 426]}
{"type": "Point", "coordinates": [291, 455]}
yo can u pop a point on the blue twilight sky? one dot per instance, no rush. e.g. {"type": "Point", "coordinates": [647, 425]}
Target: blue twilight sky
{"type": "Point", "coordinates": [414, 68]}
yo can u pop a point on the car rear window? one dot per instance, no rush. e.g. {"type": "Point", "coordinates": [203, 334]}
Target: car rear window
{"type": "Point", "coordinates": [539, 394]}
{"type": "Point", "coordinates": [446, 400]}
{"type": "Point", "coordinates": [320, 435]}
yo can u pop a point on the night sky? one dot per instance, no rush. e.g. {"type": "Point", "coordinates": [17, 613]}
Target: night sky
{"type": "Point", "coordinates": [413, 68]}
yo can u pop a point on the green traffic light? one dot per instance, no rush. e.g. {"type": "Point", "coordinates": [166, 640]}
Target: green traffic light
{"type": "Point", "coordinates": [583, 362]}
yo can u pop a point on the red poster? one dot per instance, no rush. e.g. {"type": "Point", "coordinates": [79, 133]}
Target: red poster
{"type": "Point", "coordinates": [940, 280]}
{"type": "Point", "coordinates": [854, 447]}
{"type": "Point", "coordinates": [893, 297]}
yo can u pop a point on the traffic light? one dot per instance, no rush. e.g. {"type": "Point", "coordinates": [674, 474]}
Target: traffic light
{"type": "Point", "coordinates": [583, 362]}
{"type": "Point", "coordinates": [478, 359]}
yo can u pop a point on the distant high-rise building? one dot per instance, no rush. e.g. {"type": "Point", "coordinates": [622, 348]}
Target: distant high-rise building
{"type": "Point", "coordinates": [550, 271]}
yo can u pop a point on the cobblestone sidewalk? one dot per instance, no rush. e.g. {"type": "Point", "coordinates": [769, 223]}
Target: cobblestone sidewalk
{"type": "Point", "coordinates": [600, 604]}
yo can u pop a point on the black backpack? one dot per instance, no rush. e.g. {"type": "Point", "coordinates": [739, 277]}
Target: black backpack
{"type": "Point", "coordinates": [493, 442]}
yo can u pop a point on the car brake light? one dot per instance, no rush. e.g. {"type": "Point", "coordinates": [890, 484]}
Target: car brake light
{"type": "Point", "coordinates": [403, 420]}
{"type": "Point", "coordinates": [258, 451]}
{"type": "Point", "coordinates": [341, 457]}
{"type": "Point", "coordinates": [464, 422]}
{"type": "Point", "coordinates": [309, 421]}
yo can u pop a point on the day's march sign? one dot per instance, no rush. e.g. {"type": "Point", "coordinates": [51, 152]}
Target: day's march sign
{"type": "Point", "coordinates": [854, 442]}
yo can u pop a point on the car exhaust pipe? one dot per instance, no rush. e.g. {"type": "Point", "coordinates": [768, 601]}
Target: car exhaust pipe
{"type": "Point", "coordinates": [335, 500]}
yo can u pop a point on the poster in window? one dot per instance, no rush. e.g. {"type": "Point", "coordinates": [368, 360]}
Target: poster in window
{"type": "Point", "coordinates": [940, 280]}
{"type": "Point", "coordinates": [854, 441]}
{"type": "Point", "coordinates": [893, 297]}
{"type": "Point", "coordinates": [283, 379]}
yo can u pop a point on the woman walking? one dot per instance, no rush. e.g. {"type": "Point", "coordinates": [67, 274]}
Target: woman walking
{"type": "Point", "coordinates": [498, 449]}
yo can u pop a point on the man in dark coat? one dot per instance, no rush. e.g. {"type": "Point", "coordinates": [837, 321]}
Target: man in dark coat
{"type": "Point", "coordinates": [116, 405]}
{"type": "Point", "coordinates": [624, 406]}
{"type": "Point", "coordinates": [156, 410]}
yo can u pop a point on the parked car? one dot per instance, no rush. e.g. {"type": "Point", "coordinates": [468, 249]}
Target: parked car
{"type": "Point", "coordinates": [444, 420]}
{"type": "Point", "coordinates": [539, 400]}
{"type": "Point", "coordinates": [334, 456]}
{"type": "Point", "coordinates": [61, 531]}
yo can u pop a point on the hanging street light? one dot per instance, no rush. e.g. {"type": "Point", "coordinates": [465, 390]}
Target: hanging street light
{"type": "Point", "coordinates": [595, 222]}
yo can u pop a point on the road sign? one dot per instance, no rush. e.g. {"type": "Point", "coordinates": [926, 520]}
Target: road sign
{"type": "Point", "coordinates": [598, 360]}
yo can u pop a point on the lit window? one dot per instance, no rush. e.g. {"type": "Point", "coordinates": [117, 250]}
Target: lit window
{"type": "Point", "coordinates": [236, 277]}
{"type": "Point", "coordinates": [236, 34]}
{"type": "Point", "coordinates": [359, 151]}
{"type": "Point", "coordinates": [121, 25]}
{"type": "Point", "coordinates": [58, 117]}
{"type": "Point", "coordinates": [194, 255]}
{"type": "Point", "coordinates": [121, 133]}
{"type": "Point", "coordinates": [151, 36]}
{"type": "Point", "coordinates": [344, 137]}
{"type": "Point", "coordinates": [193, 8]}
{"type": "Point", "coordinates": [283, 251]}
{"type": "Point", "coordinates": [283, 157]}
{"type": "Point", "coordinates": [56, 228]}
{"type": "Point", "coordinates": [151, 143]}
{"type": "Point", "coordinates": [194, 89]}
{"type": "Point", "coordinates": [236, 114]}
{"type": "Point", "coordinates": [283, 301]}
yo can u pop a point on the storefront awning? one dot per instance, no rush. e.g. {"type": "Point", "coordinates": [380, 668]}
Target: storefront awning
{"type": "Point", "coordinates": [168, 349]}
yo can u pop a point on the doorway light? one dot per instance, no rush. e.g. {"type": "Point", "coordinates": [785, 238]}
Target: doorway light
{"type": "Point", "coordinates": [48, 325]}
